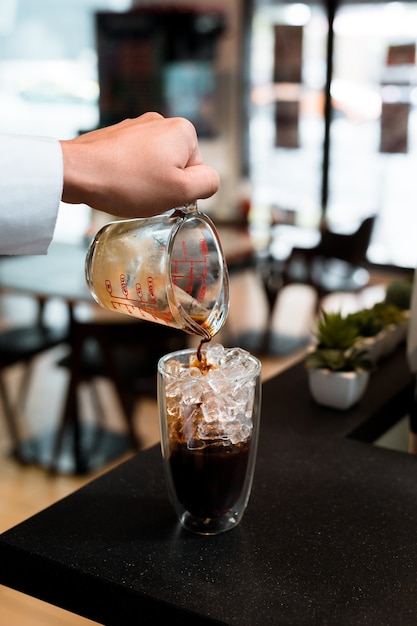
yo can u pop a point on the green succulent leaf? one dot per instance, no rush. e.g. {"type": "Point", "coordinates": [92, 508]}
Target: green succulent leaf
{"type": "Point", "coordinates": [399, 293]}
{"type": "Point", "coordinates": [367, 322]}
{"type": "Point", "coordinates": [388, 313]}
{"type": "Point", "coordinates": [335, 331]}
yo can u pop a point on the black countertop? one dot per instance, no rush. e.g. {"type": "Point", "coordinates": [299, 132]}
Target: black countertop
{"type": "Point", "coordinates": [329, 536]}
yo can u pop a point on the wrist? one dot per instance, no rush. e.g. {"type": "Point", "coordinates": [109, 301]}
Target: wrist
{"type": "Point", "coordinates": [78, 180]}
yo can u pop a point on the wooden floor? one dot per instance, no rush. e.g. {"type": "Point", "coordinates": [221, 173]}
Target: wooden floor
{"type": "Point", "coordinates": [25, 490]}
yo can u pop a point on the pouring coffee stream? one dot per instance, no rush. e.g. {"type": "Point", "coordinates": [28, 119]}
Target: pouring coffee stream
{"type": "Point", "coordinates": [200, 347]}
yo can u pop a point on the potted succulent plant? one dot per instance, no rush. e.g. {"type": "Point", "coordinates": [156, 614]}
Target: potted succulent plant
{"type": "Point", "coordinates": [395, 322]}
{"type": "Point", "coordinates": [370, 333]}
{"type": "Point", "coordinates": [381, 329]}
{"type": "Point", "coordinates": [399, 293]}
{"type": "Point", "coordinates": [338, 371]}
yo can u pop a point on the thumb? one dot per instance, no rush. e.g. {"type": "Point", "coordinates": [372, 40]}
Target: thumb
{"type": "Point", "coordinates": [201, 180]}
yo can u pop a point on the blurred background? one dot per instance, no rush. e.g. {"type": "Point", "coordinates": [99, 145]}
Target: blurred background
{"type": "Point", "coordinates": [257, 72]}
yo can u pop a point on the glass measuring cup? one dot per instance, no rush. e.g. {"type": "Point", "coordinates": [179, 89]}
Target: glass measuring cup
{"type": "Point", "coordinates": [169, 269]}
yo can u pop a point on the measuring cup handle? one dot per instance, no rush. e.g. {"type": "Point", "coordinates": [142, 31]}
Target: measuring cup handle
{"type": "Point", "coordinates": [183, 210]}
{"type": "Point", "coordinates": [190, 208]}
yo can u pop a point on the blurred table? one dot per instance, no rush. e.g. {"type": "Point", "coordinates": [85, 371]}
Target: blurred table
{"type": "Point", "coordinates": [60, 275]}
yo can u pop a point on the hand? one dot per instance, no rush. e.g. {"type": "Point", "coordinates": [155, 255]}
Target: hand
{"type": "Point", "coordinates": [138, 167]}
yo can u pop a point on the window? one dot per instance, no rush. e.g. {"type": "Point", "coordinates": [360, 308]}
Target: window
{"type": "Point", "coordinates": [372, 157]}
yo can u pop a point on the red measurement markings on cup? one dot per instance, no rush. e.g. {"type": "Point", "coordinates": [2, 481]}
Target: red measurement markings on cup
{"type": "Point", "coordinates": [134, 306]}
{"type": "Point", "coordinates": [191, 274]}
{"type": "Point", "coordinates": [151, 290]}
{"type": "Point", "coordinates": [205, 253]}
{"type": "Point", "coordinates": [123, 285]}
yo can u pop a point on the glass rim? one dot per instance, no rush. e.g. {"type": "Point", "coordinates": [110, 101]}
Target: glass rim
{"type": "Point", "coordinates": [188, 351]}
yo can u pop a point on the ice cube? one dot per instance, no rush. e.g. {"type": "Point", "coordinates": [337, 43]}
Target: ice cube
{"type": "Point", "coordinates": [214, 354]}
{"type": "Point", "coordinates": [233, 356]}
{"type": "Point", "coordinates": [208, 431]}
{"type": "Point", "coordinates": [219, 381]}
{"type": "Point", "coordinates": [209, 412]}
{"type": "Point", "coordinates": [235, 409]}
{"type": "Point", "coordinates": [173, 389]}
{"type": "Point", "coordinates": [173, 367]}
{"type": "Point", "coordinates": [191, 391]}
{"type": "Point", "coordinates": [195, 372]}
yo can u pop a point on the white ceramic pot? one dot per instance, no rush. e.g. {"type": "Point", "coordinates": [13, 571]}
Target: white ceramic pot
{"type": "Point", "coordinates": [374, 346]}
{"type": "Point", "coordinates": [393, 337]}
{"type": "Point", "coordinates": [338, 390]}
{"type": "Point", "coordinates": [385, 342]}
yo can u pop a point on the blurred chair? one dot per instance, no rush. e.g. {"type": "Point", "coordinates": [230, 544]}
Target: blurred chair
{"type": "Point", "coordinates": [248, 318]}
{"type": "Point", "coordinates": [336, 263]}
{"type": "Point", "coordinates": [123, 350]}
{"type": "Point", "coordinates": [20, 345]}
{"type": "Point", "coordinates": [292, 319]}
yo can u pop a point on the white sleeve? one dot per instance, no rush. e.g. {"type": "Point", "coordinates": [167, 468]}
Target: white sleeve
{"type": "Point", "coordinates": [31, 183]}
